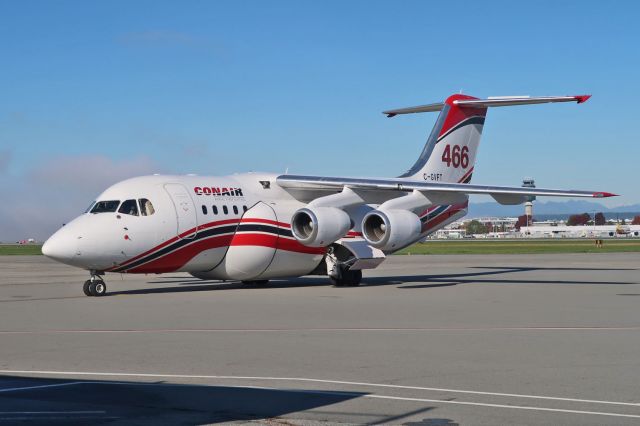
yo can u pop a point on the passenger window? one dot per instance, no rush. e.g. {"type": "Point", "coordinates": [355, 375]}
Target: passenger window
{"type": "Point", "coordinates": [146, 208]}
{"type": "Point", "coordinates": [244, 208]}
{"type": "Point", "coordinates": [204, 209]}
{"type": "Point", "coordinates": [215, 209]}
{"type": "Point", "coordinates": [129, 207]}
{"type": "Point", "coordinates": [235, 209]}
{"type": "Point", "coordinates": [225, 209]}
{"type": "Point", "coordinates": [105, 206]}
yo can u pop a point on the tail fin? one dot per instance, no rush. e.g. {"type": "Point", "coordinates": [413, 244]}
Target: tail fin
{"type": "Point", "coordinates": [450, 152]}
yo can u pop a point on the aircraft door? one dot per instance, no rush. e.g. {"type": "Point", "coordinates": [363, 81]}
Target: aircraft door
{"type": "Point", "coordinates": [185, 210]}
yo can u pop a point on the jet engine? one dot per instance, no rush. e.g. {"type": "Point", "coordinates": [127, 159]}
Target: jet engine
{"type": "Point", "coordinates": [390, 229]}
{"type": "Point", "coordinates": [319, 226]}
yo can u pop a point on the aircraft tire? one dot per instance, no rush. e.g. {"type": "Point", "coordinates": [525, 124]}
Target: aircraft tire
{"type": "Point", "coordinates": [356, 278]}
{"type": "Point", "coordinates": [85, 288]}
{"type": "Point", "coordinates": [337, 282]}
{"type": "Point", "coordinates": [98, 288]}
{"type": "Point", "coordinates": [348, 279]}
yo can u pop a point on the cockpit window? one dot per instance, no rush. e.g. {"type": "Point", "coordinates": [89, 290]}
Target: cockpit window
{"type": "Point", "coordinates": [129, 207]}
{"type": "Point", "coordinates": [105, 206]}
{"type": "Point", "coordinates": [90, 206]}
{"type": "Point", "coordinates": [146, 208]}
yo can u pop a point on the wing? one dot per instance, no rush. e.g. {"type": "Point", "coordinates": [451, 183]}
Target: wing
{"type": "Point", "coordinates": [444, 192]}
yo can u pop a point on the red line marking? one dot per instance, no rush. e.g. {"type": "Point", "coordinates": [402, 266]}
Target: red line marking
{"type": "Point", "coordinates": [175, 260]}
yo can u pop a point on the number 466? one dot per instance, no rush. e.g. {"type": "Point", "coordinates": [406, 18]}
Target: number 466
{"type": "Point", "coordinates": [456, 156]}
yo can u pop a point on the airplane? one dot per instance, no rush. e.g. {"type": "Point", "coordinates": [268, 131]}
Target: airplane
{"type": "Point", "coordinates": [254, 227]}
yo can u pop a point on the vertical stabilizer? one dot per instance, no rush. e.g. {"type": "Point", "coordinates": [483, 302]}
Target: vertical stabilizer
{"type": "Point", "coordinates": [450, 152]}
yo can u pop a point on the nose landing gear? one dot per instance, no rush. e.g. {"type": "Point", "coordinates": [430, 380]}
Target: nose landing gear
{"type": "Point", "coordinates": [95, 286]}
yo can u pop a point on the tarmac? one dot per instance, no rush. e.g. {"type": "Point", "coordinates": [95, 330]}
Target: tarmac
{"type": "Point", "coordinates": [426, 340]}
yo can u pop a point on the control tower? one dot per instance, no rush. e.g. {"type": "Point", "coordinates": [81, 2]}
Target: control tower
{"type": "Point", "coordinates": [528, 182]}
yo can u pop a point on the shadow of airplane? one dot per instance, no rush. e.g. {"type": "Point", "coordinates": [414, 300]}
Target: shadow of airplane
{"type": "Point", "coordinates": [187, 284]}
{"type": "Point", "coordinates": [72, 401]}
{"type": "Point", "coordinates": [470, 278]}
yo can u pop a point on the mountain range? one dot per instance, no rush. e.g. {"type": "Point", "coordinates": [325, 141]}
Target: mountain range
{"type": "Point", "coordinates": [548, 208]}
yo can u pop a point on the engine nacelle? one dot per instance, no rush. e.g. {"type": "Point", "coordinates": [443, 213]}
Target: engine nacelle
{"type": "Point", "coordinates": [319, 226]}
{"type": "Point", "coordinates": [390, 229]}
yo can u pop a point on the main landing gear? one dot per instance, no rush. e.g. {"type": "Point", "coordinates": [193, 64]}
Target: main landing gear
{"type": "Point", "coordinates": [348, 278]}
{"type": "Point", "coordinates": [339, 261]}
{"type": "Point", "coordinates": [95, 286]}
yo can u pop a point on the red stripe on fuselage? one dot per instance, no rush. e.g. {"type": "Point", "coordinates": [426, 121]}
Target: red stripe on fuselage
{"type": "Point", "coordinates": [271, 240]}
{"type": "Point", "coordinates": [178, 258]}
{"type": "Point", "coordinates": [429, 225]}
{"type": "Point", "coordinates": [199, 227]}
{"type": "Point", "coordinates": [181, 256]}
{"type": "Point", "coordinates": [267, 221]}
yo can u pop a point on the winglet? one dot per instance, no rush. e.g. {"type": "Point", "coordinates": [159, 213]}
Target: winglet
{"type": "Point", "coordinates": [604, 194]}
{"type": "Point", "coordinates": [582, 98]}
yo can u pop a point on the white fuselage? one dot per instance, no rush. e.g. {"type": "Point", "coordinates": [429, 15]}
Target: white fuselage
{"type": "Point", "coordinates": [232, 227]}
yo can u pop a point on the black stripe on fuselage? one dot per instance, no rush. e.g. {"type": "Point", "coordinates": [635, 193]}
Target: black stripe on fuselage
{"type": "Point", "coordinates": [203, 234]}
{"type": "Point", "coordinates": [253, 227]}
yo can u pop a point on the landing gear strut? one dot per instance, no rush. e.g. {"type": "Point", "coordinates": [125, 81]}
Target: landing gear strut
{"type": "Point", "coordinates": [95, 286]}
{"type": "Point", "coordinates": [339, 263]}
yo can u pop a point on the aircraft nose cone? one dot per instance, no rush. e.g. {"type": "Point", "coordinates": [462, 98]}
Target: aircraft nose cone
{"type": "Point", "coordinates": [60, 246]}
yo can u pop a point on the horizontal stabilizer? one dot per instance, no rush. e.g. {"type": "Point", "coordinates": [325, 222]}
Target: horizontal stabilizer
{"type": "Point", "coordinates": [412, 110]}
{"type": "Point", "coordinates": [491, 102]}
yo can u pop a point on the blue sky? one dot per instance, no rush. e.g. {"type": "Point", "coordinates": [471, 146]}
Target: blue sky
{"type": "Point", "coordinates": [98, 91]}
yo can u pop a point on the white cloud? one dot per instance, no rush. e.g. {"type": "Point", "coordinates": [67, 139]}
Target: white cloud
{"type": "Point", "coordinates": [88, 173]}
{"type": "Point", "coordinates": [58, 190]}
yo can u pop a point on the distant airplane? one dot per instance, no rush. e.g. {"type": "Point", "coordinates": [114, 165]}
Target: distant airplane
{"type": "Point", "coordinates": [253, 227]}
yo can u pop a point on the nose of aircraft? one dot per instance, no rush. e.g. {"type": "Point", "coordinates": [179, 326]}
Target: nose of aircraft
{"type": "Point", "coordinates": [61, 246]}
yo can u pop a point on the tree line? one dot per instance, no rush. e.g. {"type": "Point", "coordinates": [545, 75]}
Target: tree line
{"type": "Point", "coordinates": [477, 227]}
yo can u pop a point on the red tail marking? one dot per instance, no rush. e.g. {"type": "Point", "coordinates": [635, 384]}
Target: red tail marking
{"type": "Point", "coordinates": [458, 114]}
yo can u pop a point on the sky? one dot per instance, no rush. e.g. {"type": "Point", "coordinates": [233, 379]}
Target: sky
{"type": "Point", "coordinates": [95, 92]}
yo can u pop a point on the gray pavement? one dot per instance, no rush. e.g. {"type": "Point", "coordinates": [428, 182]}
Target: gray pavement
{"type": "Point", "coordinates": [429, 340]}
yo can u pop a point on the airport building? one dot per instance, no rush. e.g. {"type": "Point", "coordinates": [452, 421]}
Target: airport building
{"type": "Point", "coordinates": [505, 228]}
{"type": "Point", "coordinates": [582, 231]}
